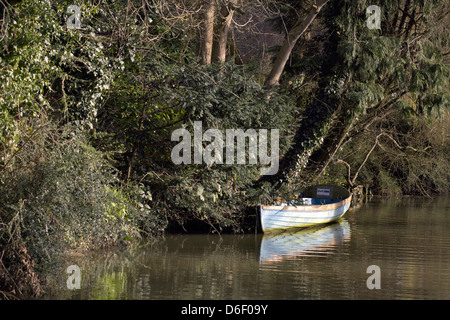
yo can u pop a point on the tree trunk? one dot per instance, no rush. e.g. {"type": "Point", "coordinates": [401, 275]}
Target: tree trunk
{"type": "Point", "coordinates": [322, 156]}
{"type": "Point", "coordinates": [289, 43]}
{"type": "Point", "coordinates": [207, 32]}
{"type": "Point", "coordinates": [404, 15]}
{"type": "Point", "coordinates": [319, 118]}
{"type": "Point", "coordinates": [137, 141]}
{"type": "Point", "coordinates": [219, 52]}
{"type": "Point", "coordinates": [234, 50]}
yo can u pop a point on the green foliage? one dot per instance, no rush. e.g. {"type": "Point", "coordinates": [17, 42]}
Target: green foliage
{"type": "Point", "coordinates": [221, 96]}
{"type": "Point", "coordinates": [410, 158]}
{"type": "Point", "coordinates": [366, 74]}
{"type": "Point", "coordinates": [46, 67]}
{"type": "Point", "coordinates": [118, 87]}
{"type": "Point", "coordinates": [62, 195]}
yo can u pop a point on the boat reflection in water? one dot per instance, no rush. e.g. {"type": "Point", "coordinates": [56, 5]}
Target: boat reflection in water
{"type": "Point", "coordinates": [308, 241]}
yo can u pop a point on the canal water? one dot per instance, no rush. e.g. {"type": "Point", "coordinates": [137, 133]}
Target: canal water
{"type": "Point", "coordinates": [407, 240]}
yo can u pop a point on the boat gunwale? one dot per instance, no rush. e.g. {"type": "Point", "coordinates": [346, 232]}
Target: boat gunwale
{"type": "Point", "coordinates": [310, 207]}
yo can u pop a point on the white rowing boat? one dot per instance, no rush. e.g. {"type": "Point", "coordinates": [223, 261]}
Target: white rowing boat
{"type": "Point", "coordinates": [317, 205]}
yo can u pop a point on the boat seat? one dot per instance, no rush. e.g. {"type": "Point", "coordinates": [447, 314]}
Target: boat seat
{"type": "Point", "coordinates": [318, 201]}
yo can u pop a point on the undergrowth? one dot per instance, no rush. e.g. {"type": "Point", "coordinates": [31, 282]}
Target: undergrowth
{"type": "Point", "coordinates": [57, 195]}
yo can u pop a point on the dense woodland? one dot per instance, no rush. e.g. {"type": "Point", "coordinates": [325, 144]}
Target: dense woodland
{"type": "Point", "coordinates": [89, 100]}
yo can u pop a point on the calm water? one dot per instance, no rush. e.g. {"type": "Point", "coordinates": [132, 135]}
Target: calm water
{"type": "Point", "coordinates": [408, 240]}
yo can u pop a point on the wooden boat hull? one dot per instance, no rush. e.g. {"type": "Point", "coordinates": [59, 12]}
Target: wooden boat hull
{"type": "Point", "coordinates": [286, 216]}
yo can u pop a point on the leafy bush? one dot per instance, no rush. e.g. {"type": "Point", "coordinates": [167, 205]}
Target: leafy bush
{"type": "Point", "coordinates": [59, 195]}
{"type": "Point", "coordinates": [221, 96]}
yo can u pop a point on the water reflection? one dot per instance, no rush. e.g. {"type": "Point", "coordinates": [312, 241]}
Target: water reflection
{"type": "Point", "coordinates": [321, 240]}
